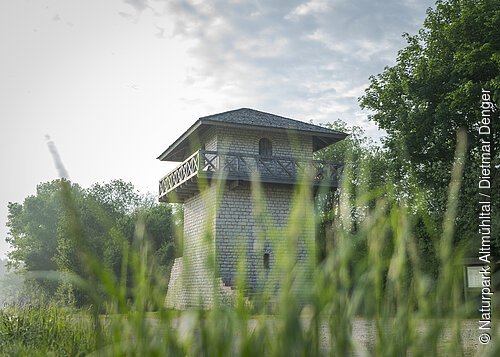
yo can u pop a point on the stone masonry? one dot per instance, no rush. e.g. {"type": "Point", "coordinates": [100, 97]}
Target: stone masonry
{"type": "Point", "coordinates": [226, 222]}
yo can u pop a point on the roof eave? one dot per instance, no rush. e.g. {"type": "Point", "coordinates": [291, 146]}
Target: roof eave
{"type": "Point", "coordinates": [322, 141]}
{"type": "Point", "coordinates": [333, 134]}
{"type": "Point", "coordinates": [180, 140]}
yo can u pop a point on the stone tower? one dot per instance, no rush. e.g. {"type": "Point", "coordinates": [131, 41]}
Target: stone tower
{"type": "Point", "coordinates": [220, 156]}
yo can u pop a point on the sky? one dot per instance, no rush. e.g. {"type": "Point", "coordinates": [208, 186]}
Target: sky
{"type": "Point", "coordinates": [113, 83]}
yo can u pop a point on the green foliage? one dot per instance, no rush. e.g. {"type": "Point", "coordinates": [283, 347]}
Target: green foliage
{"type": "Point", "coordinates": [367, 168]}
{"type": "Point", "coordinates": [47, 331]}
{"type": "Point", "coordinates": [369, 164]}
{"type": "Point", "coordinates": [312, 315]}
{"type": "Point", "coordinates": [33, 228]}
{"type": "Point", "coordinates": [435, 87]}
{"type": "Point", "coordinates": [433, 90]}
{"type": "Point", "coordinates": [117, 196]}
{"type": "Point", "coordinates": [355, 145]}
{"type": "Point", "coordinates": [160, 231]}
{"type": "Point", "coordinates": [54, 229]}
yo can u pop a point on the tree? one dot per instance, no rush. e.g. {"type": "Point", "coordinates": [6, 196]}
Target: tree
{"type": "Point", "coordinates": [33, 228]}
{"type": "Point", "coordinates": [66, 228]}
{"type": "Point", "coordinates": [365, 168]}
{"type": "Point", "coordinates": [433, 90]}
{"type": "Point", "coordinates": [116, 196]}
{"type": "Point", "coordinates": [366, 160]}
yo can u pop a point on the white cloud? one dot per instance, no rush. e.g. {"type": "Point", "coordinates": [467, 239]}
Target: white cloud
{"type": "Point", "coordinates": [297, 58]}
{"type": "Point", "coordinates": [307, 8]}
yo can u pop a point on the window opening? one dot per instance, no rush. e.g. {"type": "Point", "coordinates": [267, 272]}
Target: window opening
{"type": "Point", "coordinates": [266, 260]}
{"type": "Point", "coordinates": [265, 147]}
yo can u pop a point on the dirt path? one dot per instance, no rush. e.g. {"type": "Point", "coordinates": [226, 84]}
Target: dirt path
{"type": "Point", "coordinates": [364, 335]}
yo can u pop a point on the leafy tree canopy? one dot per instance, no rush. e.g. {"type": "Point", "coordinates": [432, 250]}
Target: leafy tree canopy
{"type": "Point", "coordinates": [47, 234]}
{"type": "Point", "coordinates": [433, 90]}
{"type": "Point", "coordinates": [435, 86]}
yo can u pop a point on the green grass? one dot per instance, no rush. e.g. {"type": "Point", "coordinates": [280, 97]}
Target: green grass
{"type": "Point", "coordinates": [45, 331]}
{"type": "Point", "coordinates": [373, 275]}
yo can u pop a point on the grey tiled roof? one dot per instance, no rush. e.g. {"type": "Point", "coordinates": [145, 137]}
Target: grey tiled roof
{"type": "Point", "coordinates": [249, 118]}
{"type": "Point", "coordinates": [246, 116]}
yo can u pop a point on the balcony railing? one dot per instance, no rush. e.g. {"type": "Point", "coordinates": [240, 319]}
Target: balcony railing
{"type": "Point", "coordinates": [238, 166]}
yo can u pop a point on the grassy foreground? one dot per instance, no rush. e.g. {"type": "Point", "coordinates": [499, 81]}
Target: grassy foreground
{"type": "Point", "coordinates": [374, 270]}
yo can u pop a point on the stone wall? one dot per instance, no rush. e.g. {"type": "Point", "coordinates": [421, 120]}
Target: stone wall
{"type": "Point", "coordinates": [249, 227]}
{"type": "Point", "coordinates": [177, 297]}
{"type": "Point", "coordinates": [199, 247]}
{"type": "Point", "coordinates": [245, 227]}
{"type": "Point", "coordinates": [176, 294]}
{"type": "Point", "coordinates": [228, 140]}
{"type": "Point", "coordinates": [241, 226]}
{"type": "Point", "coordinates": [247, 142]}
{"type": "Point", "coordinates": [209, 139]}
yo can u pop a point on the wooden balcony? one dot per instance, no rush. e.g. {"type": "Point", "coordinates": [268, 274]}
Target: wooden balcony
{"type": "Point", "coordinates": [183, 181]}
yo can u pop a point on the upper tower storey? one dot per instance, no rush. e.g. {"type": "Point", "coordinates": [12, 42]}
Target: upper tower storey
{"type": "Point", "coordinates": [246, 144]}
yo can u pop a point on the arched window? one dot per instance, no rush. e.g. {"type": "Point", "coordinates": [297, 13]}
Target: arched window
{"type": "Point", "coordinates": [265, 147]}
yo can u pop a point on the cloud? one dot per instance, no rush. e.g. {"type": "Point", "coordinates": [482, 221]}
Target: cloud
{"type": "Point", "coordinates": [313, 6]}
{"type": "Point", "coordinates": [138, 5]}
{"type": "Point", "coordinates": [161, 32]}
{"type": "Point", "coordinates": [299, 58]}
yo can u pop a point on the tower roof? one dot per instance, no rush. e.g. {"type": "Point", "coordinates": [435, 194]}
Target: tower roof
{"type": "Point", "coordinates": [246, 118]}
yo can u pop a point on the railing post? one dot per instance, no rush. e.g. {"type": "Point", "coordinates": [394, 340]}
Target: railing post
{"type": "Point", "coordinates": [198, 161]}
